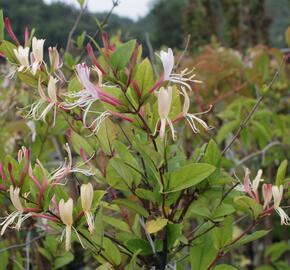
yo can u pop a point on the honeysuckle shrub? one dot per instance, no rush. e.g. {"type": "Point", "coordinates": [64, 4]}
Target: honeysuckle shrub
{"type": "Point", "coordinates": [102, 176]}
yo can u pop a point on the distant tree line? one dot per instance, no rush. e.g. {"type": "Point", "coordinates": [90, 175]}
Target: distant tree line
{"type": "Point", "coordinates": [235, 23]}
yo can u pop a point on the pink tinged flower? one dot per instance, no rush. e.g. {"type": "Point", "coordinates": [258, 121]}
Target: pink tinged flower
{"type": "Point", "coordinates": [164, 99]}
{"type": "Point", "coordinates": [267, 195]}
{"type": "Point", "coordinates": [277, 196]}
{"type": "Point", "coordinates": [65, 212]}
{"type": "Point", "coordinates": [192, 118]}
{"type": "Point", "coordinates": [87, 195]}
{"type": "Point", "coordinates": [22, 55]}
{"type": "Point", "coordinates": [83, 73]}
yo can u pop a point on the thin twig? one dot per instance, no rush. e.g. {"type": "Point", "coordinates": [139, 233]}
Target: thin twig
{"type": "Point", "coordinates": [71, 32]}
{"type": "Point", "coordinates": [103, 23]}
{"type": "Point", "coordinates": [257, 153]}
{"type": "Point", "coordinates": [183, 52]}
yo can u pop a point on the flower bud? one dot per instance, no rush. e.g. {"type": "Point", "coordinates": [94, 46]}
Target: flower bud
{"type": "Point", "coordinates": [164, 102]}
{"type": "Point", "coordinates": [54, 58]}
{"type": "Point", "coordinates": [267, 194]}
{"type": "Point", "coordinates": [51, 89]}
{"type": "Point", "coordinates": [65, 212]}
{"type": "Point", "coordinates": [87, 195]}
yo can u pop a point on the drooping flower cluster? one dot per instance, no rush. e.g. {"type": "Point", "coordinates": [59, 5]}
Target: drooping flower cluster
{"type": "Point", "coordinates": [269, 191]}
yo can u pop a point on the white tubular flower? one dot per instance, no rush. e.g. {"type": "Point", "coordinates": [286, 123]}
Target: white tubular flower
{"type": "Point", "coordinates": [192, 118]}
{"type": "Point", "coordinates": [37, 49]}
{"type": "Point", "coordinates": [65, 212]}
{"type": "Point", "coordinates": [164, 99]}
{"type": "Point", "coordinates": [40, 109]}
{"type": "Point", "coordinates": [22, 55]}
{"type": "Point", "coordinates": [277, 196]}
{"type": "Point", "coordinates": [37, 54]}
{"type": "Point", "coordinates": [87, 195]}
{"type": "Point", "coordinates": [15, 199]}
{"type": "Point", "coordinates": [167, 59]}
{"type": "Point", "coordinates": [184, 78]}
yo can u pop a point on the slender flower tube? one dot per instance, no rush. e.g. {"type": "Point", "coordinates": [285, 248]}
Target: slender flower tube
{"type": "Point", "coordinates": [65, 212]}
{"type": "Point", "coordinates": [22, 55]}
{"type": "Point", "coordinates": [192, 118]}
{"type": "Point", "coordinates": [164, 99]}
{"type": "Point", "coordinates": [277, 196]}
{"type": "Point", "coordinates": [87, 195]}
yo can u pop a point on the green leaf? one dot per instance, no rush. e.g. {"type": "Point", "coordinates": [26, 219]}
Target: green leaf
{"type": "Point", "coordinates": [6, 48]}
{"type": "Point", "coordinates": [111, 251]}
{"type": "Point", "coordinates": [79, 142]}
{"type": "Point", "coordinates": [81, 2]}
{"type": "Point", "coordinates": [69, 60]}
{"type": "Point", "coordinates": [174, 231]}
{"type": "Point", "coordinates": [133, 206]}
{"type": "Point", "coordinates": [3, 257]}
{"type": "Point", "coordinates": [212, 154]}
{"type": "Point", "coordinates": [248, 205]}
{"type": "Point", "coordinates": [2, 26]}
{"type": "Point", "coordinates": [122, 55]}
{"type": "Point", "coordinates": [223, 234]}
{"type": "Point", "coordinates": [28, 78]}
{"type": "Point", "coordinates": [63, 260]}
{"type": "Point", "coordinates": [276, 250]}
{"type": "Point", "coordinates": [188, 176]}
{"type": "Point", "coordinates": [202, 254]}
{"type": "Point", "coordinates": [250, 238]}
{"type": "Point", "coordinates": [118, 174]}
{"type": "Point", "coordinates": [117, 223]}
{"type": "Point", "coordinates": [135, 245]}
{"type": "Point", "coordinates": [281, 173]}
{"type": "Point", "coordinates": [225, 267]}
{"type": "Point", "coordinates": [129, 160]}
{"type": "Point", "coordinates": [145, 76]}
{"type": "Point", "coordinates": [226, 129]}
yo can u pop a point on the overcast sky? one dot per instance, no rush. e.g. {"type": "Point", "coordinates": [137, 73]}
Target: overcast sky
{"type": "Point", "coordinates": [128, 8]}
